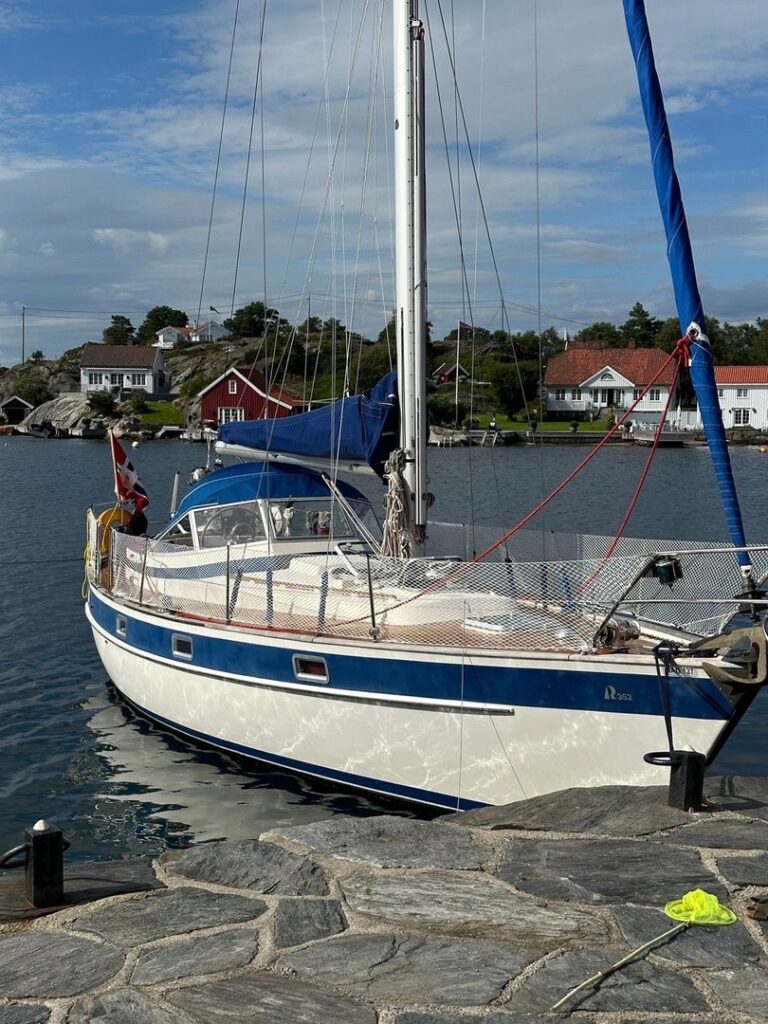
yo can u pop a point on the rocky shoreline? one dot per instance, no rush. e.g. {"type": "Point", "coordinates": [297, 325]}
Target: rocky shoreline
{"type": "Point", "coordinates": [488, 916]}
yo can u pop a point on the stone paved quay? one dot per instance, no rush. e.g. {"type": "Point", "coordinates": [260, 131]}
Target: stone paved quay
{"type": "Point", "coordinates": [489, 916]}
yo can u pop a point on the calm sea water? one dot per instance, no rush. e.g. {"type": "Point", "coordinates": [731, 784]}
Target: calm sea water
{"type": "Point", "coordinates": [71, 752]}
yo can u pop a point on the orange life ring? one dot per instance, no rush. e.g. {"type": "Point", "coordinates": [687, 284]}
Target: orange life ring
{"type": "Point", "coordinates": [108, 521]}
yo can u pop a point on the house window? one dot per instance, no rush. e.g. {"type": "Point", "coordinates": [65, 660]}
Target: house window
{"type": "Point", "coordinates": [654, 395]}
{"type": "Point", "coordinates": [230, 415]}
{"type": "Point", "coordinates": [595, 396]}
{"type": "Point", "coordinates": [116, 379]}
{"type": "Point", "coordinates": [576, 395]}
{"type": "Point", "coordinates": [720, 392]}
{"type": "Point", "coordinates": [636, 394]}
{"type": "Point", "coordinates": [606, 376]}
{"type": "Point", "coordinates": [741, 417]}
{"type": "Point", "coordinates": [233, 387]}
{"type": "Point", "coordinates": [94, 379]}
{"type": "Point", "coordinates": [139, 380]}
{"type": "Point", "coordinates": [559, 394]}
{"type": "Point", "coordinates": [741, 392]}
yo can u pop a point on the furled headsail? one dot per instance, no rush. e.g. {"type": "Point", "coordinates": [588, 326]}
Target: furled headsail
{"type": "Point", "coordinates": [353, 434]}
{"type": "Point", "coordinates": [680, 256]}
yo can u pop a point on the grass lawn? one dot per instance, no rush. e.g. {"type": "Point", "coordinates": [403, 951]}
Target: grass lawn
{"type": "Point", "coordinates": [505, 423]}
{"type": "Point", "coordinates": [163, 414]}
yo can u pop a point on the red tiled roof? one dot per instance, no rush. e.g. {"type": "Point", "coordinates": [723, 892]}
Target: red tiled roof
{"type": "Point", "coordinates": [109, 356]}
{"type": "Point", "coordinates": [639, 365]}
{"type": "Point", "coordinates": [741, 374]}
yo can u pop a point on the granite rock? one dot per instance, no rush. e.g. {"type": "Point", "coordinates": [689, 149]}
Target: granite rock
{"type": "Point", "coordinates": [605, 810]}
{"type": "Point", "coordinates": [391, 842]}
{"type": "Point", "coordinates": [466, 905]}
{"type": "Point", "coordinates": [743, 991]}
{"type": "Point", "coordinates": [41, 965]}
{"type": "Point", "coordinates": [300, 921]}
{"type": "Point", "coordinates": [638, 987]}
{"type": "Point", "coordinates": [502, 1017]}
{"type": "Point", "coordinates": [612, 870]}
{"type": "Point", "coordinates": [745, 870]}
{"type": "Point", "coordinates": [195, 955]}
{"type": "Point", "coordinates": [165, 912]}
{"type": "Point", "coordinates": [722, 834]}
{"type": "Point", "coordinates": [720, 946]}
{"type": "Point", "coordinates": [402, 970]}
{"type": "Point", "coordinates": [121, 1006]}
{"type": "Point", "coordinates": [744, 794]}
{"type": "Point", "coordinates": [269, 999]}
{"type": "Point", "coordinates": [250, 864]}
{"type": "Point", "coordinates": [24, 1014]}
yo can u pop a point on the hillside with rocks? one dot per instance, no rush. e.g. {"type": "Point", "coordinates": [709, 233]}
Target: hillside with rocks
{"type": "Point", "coordinates": [52, 387]}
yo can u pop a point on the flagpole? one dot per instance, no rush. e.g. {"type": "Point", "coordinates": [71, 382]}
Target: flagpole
{"type": "Point", "coordinates": [114, 465]}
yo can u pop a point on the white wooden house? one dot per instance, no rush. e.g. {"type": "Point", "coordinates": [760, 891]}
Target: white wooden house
{"type": "Point", "coordinates": [120, 368]}
{"type": "Point", "coordinates": [210, 330]}
{"type": "Point", "coordinates": [592, 378]}
{"type": "Point", "coordinates": [743, 395]}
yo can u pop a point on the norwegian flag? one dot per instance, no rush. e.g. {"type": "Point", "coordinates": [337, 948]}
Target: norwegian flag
{"type": "Point", "coordinates": [128, 487]}
{"type": "Point", "coordinates": [465, 328]}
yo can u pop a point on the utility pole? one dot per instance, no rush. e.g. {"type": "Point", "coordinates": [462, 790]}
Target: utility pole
{"type": "Point", "coordinates": [23, 332]}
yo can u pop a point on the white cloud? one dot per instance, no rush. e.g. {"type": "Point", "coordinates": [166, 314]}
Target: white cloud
{"type": "Point", "coordinates": [8, 249]}
{"type": "Point", "coordinates": [47, 249]}
{"type": "Point", "coordinates": [126, 240]}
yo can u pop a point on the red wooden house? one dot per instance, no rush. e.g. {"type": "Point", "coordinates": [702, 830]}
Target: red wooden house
{"type": "Point", "coordinates": [242, 394]}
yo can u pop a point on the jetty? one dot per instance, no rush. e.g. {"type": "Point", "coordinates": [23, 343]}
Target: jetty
{"type": "Point", "coordinates": [489, 916]}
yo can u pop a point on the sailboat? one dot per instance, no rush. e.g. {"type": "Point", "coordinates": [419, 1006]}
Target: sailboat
{"type": "Point", "coordinates": [275, 617]}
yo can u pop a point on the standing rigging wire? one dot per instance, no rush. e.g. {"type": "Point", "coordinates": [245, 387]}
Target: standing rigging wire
{"type": "Point", "coordinates": [334, 146]}
{"type": "Point", "coordinates": [370, 120]}
{"type": "Point", "coordinates": [484, 214]}
{"type": "Point", "coordinates": [218, 162]}
{"type": "Point", "coordinates": [539, 406]}
{"type": "Point", "coordinates": [263, 18]}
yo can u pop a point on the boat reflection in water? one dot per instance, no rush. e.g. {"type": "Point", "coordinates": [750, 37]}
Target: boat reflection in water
{"type": "Point", "coordinates": [174, 793]}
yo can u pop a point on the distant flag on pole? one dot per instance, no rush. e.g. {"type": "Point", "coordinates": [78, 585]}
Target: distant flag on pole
{"type": "Point", "coordinates": [212, 309]}
{"type": "Point", "coordinates": [128, 487]}
{"type": "Point", "coordinates": [467, 328]}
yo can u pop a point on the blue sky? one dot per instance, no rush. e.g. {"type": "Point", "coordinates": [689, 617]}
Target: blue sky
{"type": "Point", "coordinates": [110, 124]}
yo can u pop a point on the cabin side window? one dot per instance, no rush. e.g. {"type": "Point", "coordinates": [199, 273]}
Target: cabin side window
{"type": "Point", "coordinates": [318, 518]}
{"type": "Point", "coordinates": [180, 533]}
{"type": "Point", "coordinates": [233, 524]}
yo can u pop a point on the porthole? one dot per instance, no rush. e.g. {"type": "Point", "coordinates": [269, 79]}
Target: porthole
{"type": "Point", "coordinates": [121, 626]}
{"type": "Point", "coordinates": [182, 646]}
{"type": "Point", "coordinates": [309, 669]}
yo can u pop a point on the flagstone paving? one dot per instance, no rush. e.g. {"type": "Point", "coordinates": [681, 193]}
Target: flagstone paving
{"type": "Point", "coordinates": [490, 917]}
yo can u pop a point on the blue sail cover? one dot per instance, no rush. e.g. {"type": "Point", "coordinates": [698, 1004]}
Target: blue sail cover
{"type": "Point", "coordinates": [680, 255]}
{"type": "Point", "coordinates": [361, 428]}
{"type": "Point", "coordinates": [249, 482]}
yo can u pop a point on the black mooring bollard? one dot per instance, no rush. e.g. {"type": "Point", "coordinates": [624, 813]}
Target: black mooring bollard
{"type": "Point", "coordinates": [44, 871]}
{"type": "Point", "coordinates": [686, 780]}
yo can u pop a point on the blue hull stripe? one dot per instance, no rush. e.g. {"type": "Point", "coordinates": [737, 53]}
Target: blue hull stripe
{"type": "Point", "coordinates": [458, 679]}
{"type": "Point", "coordinates": [425, 796]}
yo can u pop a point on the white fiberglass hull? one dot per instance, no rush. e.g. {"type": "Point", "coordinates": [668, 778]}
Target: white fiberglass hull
{"type": "Point", "coordinates": [445, 749]}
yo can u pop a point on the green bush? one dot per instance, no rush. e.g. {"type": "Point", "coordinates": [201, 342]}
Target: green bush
{"type": "Point", "coordinates": [138, 402]}
{"type": "Point", "coordinates": [101, 402]}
